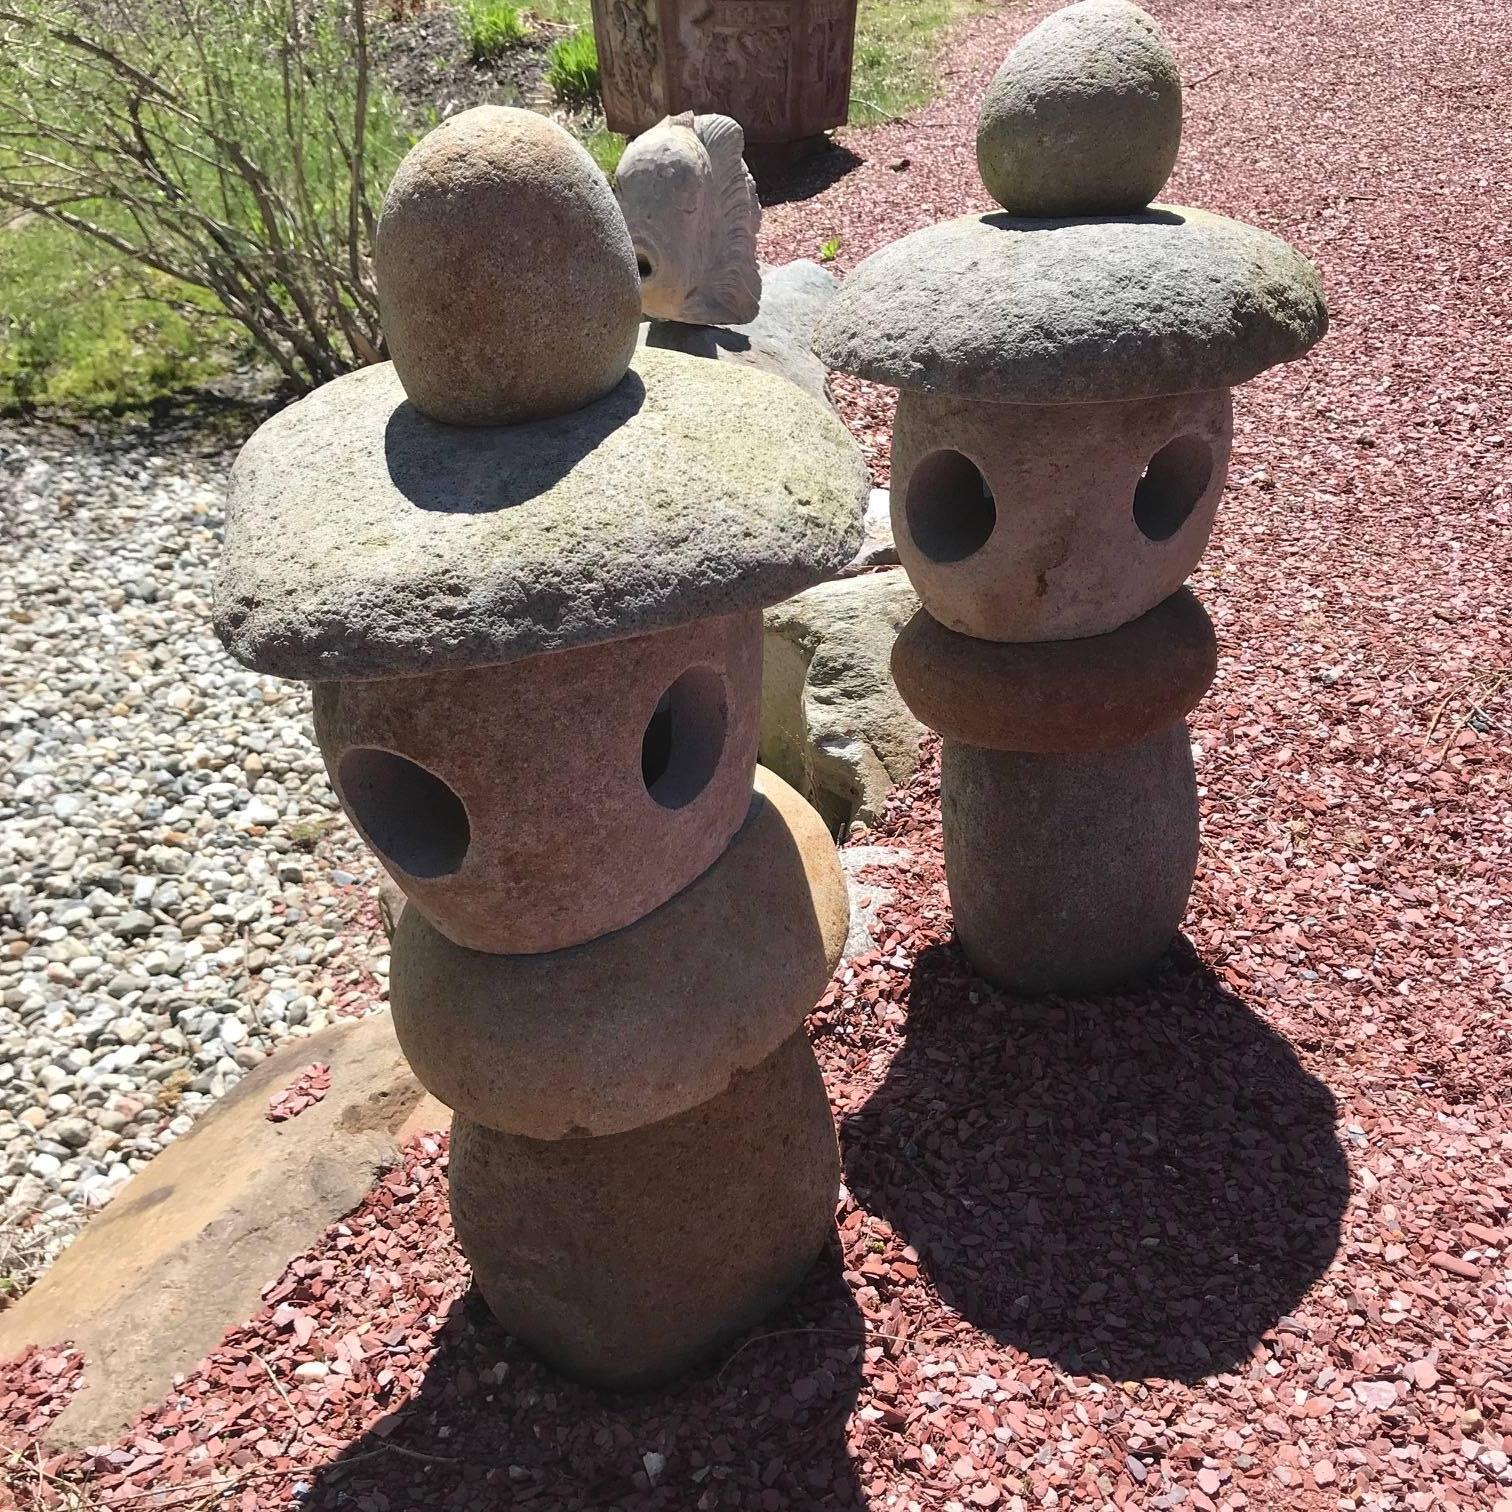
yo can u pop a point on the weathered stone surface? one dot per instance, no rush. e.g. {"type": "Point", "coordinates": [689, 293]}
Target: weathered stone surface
{"type": "Point", "coordinates": [832, 722]}
{"type": "Point", "coordinates": [1023, 522]}
{"type": "Point", "coordinates": [624, 1259]}
{"type": "Point", "coordinates": [645, 1023]}
{"type": "Point", "coordinates": [779, 340]}
{"type": "Point", "coordinates": [534, 806]}
{"type": "Point", "coordinates": [1059, 696]}
{"type": "Point", "coordinates": [1168, 301]}
{"type": "Point", "coordinates": [878, 547]}
{"type": "Point", "coordinates": [506, 278]}
{"type": "Point", "coordinates": [365, 540]}
{"type": "Point", "coordinates": [185, 1249]}
{"type": "Point", "coordinates": [693, 215]}
{"type": "Point", "coordinates": [1069, 874]}
{"type": "Point", "coordinates": [1084, 116]}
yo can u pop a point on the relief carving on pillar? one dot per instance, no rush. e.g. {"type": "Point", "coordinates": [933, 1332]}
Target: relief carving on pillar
{"type": "Point", "coordinates": [631, 62]}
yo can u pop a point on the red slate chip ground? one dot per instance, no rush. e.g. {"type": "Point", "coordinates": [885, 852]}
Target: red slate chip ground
{"type": "Point", "coordinates": [1236, 1238]}
{"type": "Point", "coordinates": [307, 1089]}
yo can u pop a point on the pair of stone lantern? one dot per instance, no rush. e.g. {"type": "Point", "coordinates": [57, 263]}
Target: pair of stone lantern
{"type": "Point", "coordinates": [1061, 442]}
{"type": "Point", "coordinates": [524, 566]}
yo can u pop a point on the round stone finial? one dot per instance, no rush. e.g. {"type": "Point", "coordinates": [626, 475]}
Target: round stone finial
{"type": "Point", "coordinates": [506, 277]}
{"type": "Point", "coordinates": [1084, 116]}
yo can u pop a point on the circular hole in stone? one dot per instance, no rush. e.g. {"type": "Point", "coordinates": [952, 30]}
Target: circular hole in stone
{"type": "Point", "coordinates": [408, 814]}
{"type": "Point", "coordinates": [1175, 479]}
{"type": "Point", "coordinates": [951, 512]}
{"type": "Point", "coordinates": [643, 264]}
{"type": "Point", "coordinates": [684, 738]}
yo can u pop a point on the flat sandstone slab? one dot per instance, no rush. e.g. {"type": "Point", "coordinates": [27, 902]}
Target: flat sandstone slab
{"type": "Point", "coordinates": [364, 540]}
{"type": "Point", "coordinates": [188, 1245]}
{"type": "Point", "coordinates": [1166, 301]}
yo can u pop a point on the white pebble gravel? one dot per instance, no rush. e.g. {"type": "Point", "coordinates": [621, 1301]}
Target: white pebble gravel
{"type": "Point", "coordinates": [169, 842]}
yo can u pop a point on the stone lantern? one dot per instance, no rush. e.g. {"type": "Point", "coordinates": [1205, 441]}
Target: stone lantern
{"type": "Point", "coordinates": [524, 566]}
{"type": "Point", "coordinates": [1061, 442]}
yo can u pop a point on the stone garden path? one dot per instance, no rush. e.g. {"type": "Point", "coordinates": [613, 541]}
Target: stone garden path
{"type": "Point", "coordinates": [1240, 1239]}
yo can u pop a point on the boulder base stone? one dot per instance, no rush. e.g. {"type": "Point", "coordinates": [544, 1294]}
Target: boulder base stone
{"type": "Point", "coordinates": [878, 548]}
{"type": "Point", "coordinates": [832, 722]}
{"type": "Point", "coordinates": [1069, 874]}
{"type": "Point", "coordinates": [779, 340]}
{"type": "Point", "coordinates": [506, 278]}
{"type": "Point", "coordinates": [1021, 522]}
{"type": "Point", "coordinates": [466, 783]}
{"type": "Point", "coordinates": [186, 1247]}
{"type": "Point", "coordinates": [1084, 116]}
{"type": "Point", "coordinates": [624, 1259]}
{"type": "Point", "coordinates": [645, 1023]}
{"type": "Point", "coordinates": [1059, 696]}
{"type": "Point", "coordinates": [1166, 301]}
{"type": "Point", "coordinates": [364, 540]}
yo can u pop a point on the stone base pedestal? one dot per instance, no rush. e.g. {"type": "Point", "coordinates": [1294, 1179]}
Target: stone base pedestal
{"type": "Point", "coordinates": [1069, 873]}
{"type": "Point", "coordinates": [622, 1259]}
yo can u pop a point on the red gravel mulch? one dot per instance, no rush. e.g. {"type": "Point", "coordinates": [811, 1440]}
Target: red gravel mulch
{"type": "Point", "coordinates": [307, 1089]}
{"type": "Point", "coordinates": [1239, 1238]}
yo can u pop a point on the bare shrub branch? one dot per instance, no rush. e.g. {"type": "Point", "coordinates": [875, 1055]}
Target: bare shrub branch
{"type": "Point", "coordinates": [229, 146]}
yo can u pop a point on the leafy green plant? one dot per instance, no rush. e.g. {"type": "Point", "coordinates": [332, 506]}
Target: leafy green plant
{"type": "Point", "coordinates": [233, 150]}
{"type": "Point", "coordinates": [492, 27]}
{"type": "Point", "coordinates": [572, 71]}
{"type": "Point", "coordinates": [829, 249]}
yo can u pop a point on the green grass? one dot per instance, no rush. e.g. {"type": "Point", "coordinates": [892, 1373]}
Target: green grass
{"type": "Point", "coordinates": [605, 147]}
{"type": "Point", "coordinates": [491, 27]}
{"type": "Point", "coordinates": [78, 331]}
{"type": "Point", "coordinates": [895, 62]}
{"type": "Point", "coordinates": [572, 72]}
{"type": "Point", "coordinates": [569, 12]}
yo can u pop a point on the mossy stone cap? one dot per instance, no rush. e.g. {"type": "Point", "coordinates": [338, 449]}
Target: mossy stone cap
{"type": "Point", "coordinates": [365, 540]}
{"type": "Point", "coordinates": [1084, 116]}
{"type": "Point", "coordinates": [506, 278]}
{"type": "Point", "coordinates": [1035, 311]}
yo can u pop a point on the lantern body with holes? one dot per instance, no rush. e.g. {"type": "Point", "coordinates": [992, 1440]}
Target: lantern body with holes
{"type": "Point", "coordinates": [1060, 447]}
{"type": "Point", "coordinates": [535, 640]}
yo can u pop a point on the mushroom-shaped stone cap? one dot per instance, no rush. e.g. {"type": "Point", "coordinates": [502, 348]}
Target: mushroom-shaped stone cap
{"type": "Point", "coordinates": [506, 278]}
{"type": "Point", "coordinates": [999, 307]}
{"type": "Point", "coordinates": [1084, 116]}
{"type": "Point", "coordinates": [365, 540]}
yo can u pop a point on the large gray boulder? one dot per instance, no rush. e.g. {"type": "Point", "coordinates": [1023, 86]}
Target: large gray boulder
{"type": "Point", "coordinates": [832, 722]}
{"type": "Point", "coordinates": [779, 340]}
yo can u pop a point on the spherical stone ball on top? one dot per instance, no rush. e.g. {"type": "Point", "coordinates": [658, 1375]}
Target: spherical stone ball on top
{"type": "Point", "coordinates": [1084, 116]}
{"type": "Point", "coordinates": [506, 277]}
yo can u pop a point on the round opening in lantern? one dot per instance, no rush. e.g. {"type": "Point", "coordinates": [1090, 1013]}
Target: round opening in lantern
{"type": "Point", "coordinates": [1175, 479]}
{"type": "Point", "coordinates": [684, 738]}
{"type": "Point", "coordinates": [408, 814]}
{"type": "Point", "coordinates": [643, 264]}
{"type": "Point", "coordinates": [951, 511]}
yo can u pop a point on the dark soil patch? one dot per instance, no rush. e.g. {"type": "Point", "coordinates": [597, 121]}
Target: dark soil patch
{"type": "Point", "coordinates": [425, 60]}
